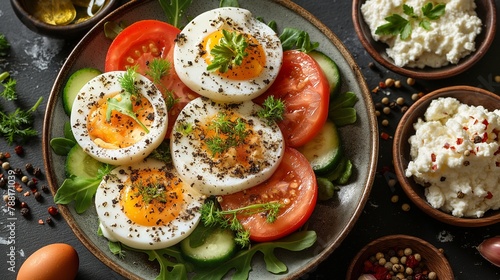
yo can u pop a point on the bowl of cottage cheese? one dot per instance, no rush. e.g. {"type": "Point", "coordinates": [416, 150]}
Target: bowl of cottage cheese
{"type": "Point", "coordinates": [422, 39]}
{"type": "Point", "coordinates": [446, 155]}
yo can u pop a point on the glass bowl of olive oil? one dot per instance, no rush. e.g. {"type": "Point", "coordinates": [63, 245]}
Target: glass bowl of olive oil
{"type": "Point", "coordinates": [62, 18]}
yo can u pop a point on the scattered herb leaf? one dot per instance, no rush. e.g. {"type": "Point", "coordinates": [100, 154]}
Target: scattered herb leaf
{"type": "Point", "coordinates": [229, 3]}
{"type": "Point", "coordinates": [4, 46]}
{"type": "Point", "coordinates": [112, 29]}
{"type": "Point", "coordinates": [228, 134]}
{"type": "Point", "coordinates": [9, 87]}
{"type": "Point", "coordinates": [341, 109]}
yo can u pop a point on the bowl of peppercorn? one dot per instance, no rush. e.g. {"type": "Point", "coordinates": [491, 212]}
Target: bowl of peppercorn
{"type": "Point", "coordinates": [446, 155]}
{"type": "Point", "coordinates": [399, 256]}
{"type": "Point", "coordinates": [66, 19]}
{"type": "Point", "coordinates": [427, 40]}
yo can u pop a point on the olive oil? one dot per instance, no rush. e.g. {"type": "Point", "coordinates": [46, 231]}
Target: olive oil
{"type": "Point", "coordinates": [64, 12]}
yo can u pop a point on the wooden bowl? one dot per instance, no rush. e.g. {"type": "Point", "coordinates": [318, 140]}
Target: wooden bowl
{"type": "Point", "coordinates": [433, 258]}
{"type": "Point", "coordinates": [401, 151]}
{"type": "Point", "coordinates": [72, 30]}
{"type": "Point", "coordinates": [485, 10]}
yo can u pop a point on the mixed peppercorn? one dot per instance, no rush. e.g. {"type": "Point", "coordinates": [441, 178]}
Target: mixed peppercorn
{"type": "Point", "coordinates": [397, 264]}
{"type": "Point", "coordinates": [26, 183]}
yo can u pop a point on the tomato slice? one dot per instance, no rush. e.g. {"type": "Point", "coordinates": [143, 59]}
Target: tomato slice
{"type": "Point", "coordinates": [293, 185]}
{"type": "Point", "coordinates": [140, 43]}
{"type": "Point", "coordinates": [304, 88]}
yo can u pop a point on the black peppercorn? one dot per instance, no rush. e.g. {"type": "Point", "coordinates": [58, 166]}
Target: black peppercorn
{"type": "Point", "coordinates": [25, 211]}
{"type": "Point", "coordinates": [18, 172]}
{"type": "Point", "coordinates": [49, 221]}
{"type": "Point", "coordinates": [45, 188]}
{"type": "Point", "coordinates": [31, 184]}
{"type": "Point", "coordinates": [29, 168]}
{"type": "Point", "coordinates": [38, 196]}
{"type": "Point", "coordinates": [37, 172]}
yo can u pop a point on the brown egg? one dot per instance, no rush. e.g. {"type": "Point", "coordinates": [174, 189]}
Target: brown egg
{"type": "Point", "coordinates": [54, 261]}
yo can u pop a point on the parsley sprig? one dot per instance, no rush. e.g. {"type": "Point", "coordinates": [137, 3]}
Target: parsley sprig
{"type": "Point", "coordinates": [212, 215]}
{"type": "Point", "coordinates": [397, 24]}
{"type": "Point", "coordinates": [124, 103]}
{"type": "Point", "coordinates": [230, 51]}
{"type": "Point", "coordinates": [228, 134]}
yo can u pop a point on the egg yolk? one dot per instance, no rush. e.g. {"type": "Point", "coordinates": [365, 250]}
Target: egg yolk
{"type": "Point", "coordinates": [239, 146]}
{"type": "Point", "coordinates": [152, 197]}
{"type": "Point", "coordinates": [251, 66]}
{"type": "Point", "coordinates": [121, 130]}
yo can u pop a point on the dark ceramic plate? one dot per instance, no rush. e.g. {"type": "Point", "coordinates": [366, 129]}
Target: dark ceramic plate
{"type": "Point", "coordinates": [332, 220]}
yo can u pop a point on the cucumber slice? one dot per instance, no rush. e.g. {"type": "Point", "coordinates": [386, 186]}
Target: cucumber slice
{"type": "Point", "coordinates": [80, 164]}
{"type": "Point", "coordinates": [75, 82]}
{"type": "Point", "coordinates": [208, 246]}
{"type": "Point", "coordinates": [330, 69]}
{"type": "Point", "coordinates": [324, 151]}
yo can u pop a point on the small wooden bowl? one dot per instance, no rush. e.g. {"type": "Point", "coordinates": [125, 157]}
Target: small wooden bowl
{"type": "Point", "coordinates": [485, 10]}
{"type": "Point", "coordinates": [434, 259]}
{"type": "Point", "coordinates": [401, 151]}
{"type": "Point", "coordinates": [70, 31]}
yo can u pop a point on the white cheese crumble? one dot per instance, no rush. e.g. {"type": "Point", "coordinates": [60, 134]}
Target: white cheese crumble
{"type": "Point", "coordinates": [450, 38]}
{"type": "Point", "coordinates": [455, 154]}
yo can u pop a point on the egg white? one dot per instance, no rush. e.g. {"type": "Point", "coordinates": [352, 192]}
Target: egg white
{"type": "Point", "coordinates": [220, 176]}
{"type": "Point", "coordinates": [116, 226]}
{"type": "Point", "coordinates": [98, 88]}
{"type": "Point", "coordinates": [192, 68]}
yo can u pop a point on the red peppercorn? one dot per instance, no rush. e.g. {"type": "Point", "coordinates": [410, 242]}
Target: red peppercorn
{"type": "Point", "coordinates": [19, 150]}
{"type": "Point", "coordinates": [53, 211]}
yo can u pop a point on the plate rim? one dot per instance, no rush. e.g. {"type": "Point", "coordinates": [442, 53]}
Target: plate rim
{"type": "Point", "coordinates": [288, 4]}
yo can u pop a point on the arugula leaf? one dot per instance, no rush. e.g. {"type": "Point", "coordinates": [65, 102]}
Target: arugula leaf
{"type": "Point", "coordinates": [397, 24]}
{"type": "Point", "coordinates": [230, 51]}
{"type": "Point", "coordinates": [172, 265]}
{"type": "Point", "coordinates": [81, 190]}
{"type": "Point", "coordinates": [229, 3]}
{"type": "Point", "coordinates": [341, 109]}
{"type": "Point", "coordinates": [61, 145]}
{"type": "Point", "coordinates": [292, 38]}
{"type": "Point", "coordinates": [174, 10]}
{"type": "Point", "coordinates": [241, 263]}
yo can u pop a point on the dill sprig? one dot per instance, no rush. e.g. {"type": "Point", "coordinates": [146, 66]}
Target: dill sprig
{"type": "Point", "coordinates": [212, 215]}
{"type": "Point", "coordinates": [18, 124]}
{"type": "Point", "coordinates": [150, 192]}
{"type": "Point", "coordinates": [9, 87]}
{"type": "Point", "coordinates": [228, 134]}
{"type": "Point", "coordinates": [124, 102]}
{"type": "Point", "coordinates": [157, 69]}
{"type": "Point", "coordinates": [272, 109]}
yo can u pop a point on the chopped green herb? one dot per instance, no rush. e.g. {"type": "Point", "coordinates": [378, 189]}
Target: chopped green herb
{"type": "Point", "coordinates": [4, 46]}
{"type": "Point", "coordinates": [228, 134]}
{"type": "Point", "coordinates": [292, 38]}
{"type": "Point", "coordinates": [157, 69]}
{"type": "Point", "coordinates": [150, 192]}
{"type": "Point", "coordinates": [9, 87]}
{"type": "Point", "coordinates": [230, 51]}
{"type": "Point", "coordinates": [396, 24]}
{"type": "Point", "coordinates": [18, 125]}
{"type": "Point", "coordinates": [272, 109]}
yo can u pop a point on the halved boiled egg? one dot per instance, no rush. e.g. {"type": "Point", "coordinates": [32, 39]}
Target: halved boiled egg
{"type": "Point", "coordinates": [223, 148]}
{"type": "Point", "coordinates": [146, 205]}
{"type": "Point", "coordinates": [232, 34]}
{"type": "Point", "coordinates": [112, 136]}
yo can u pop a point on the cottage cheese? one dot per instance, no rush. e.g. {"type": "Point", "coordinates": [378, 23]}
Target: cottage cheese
{"type": "Point", "coordinates": [456, 154]}
{"type": "Point", "coordinates": [450, 38]}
